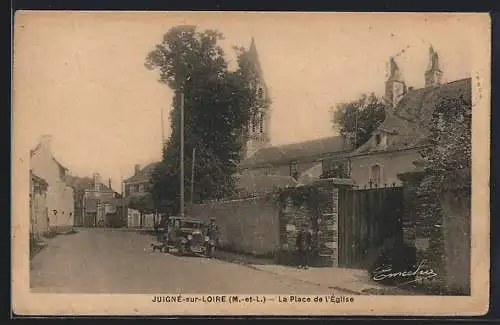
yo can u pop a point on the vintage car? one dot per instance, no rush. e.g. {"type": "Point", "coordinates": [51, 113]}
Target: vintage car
{"type": "Point", "coordinates": [186, 236]}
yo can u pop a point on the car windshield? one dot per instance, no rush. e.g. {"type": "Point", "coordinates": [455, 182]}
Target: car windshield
{"type": "Point", "coordinates": [190, 224]}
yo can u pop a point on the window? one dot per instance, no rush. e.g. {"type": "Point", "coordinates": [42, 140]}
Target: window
{"type": "Point", "coordinates": [376, 175]}
{"type": "Point", "coordinates": [254, 124]}
{"type": "Point", "coordinates": [261, 123]}
{"type": "Point", "coordinates": [381, 139]}
{"type": "Point", "coordinates": [294, 169]}
{"type": "Point", "coordinates": [260, 93]}
{"type": "Point", "coordinates": [141, 188]}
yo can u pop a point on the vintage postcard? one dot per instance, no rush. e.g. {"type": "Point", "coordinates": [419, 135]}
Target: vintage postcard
{"type": "Point", "coordinates": [250, 163]}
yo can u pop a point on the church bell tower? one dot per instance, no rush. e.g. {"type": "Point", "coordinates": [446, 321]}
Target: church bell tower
{"type": "Point", "coordinates": [258, 130]}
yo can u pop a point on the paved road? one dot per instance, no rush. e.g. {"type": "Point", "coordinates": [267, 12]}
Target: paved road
{"type": "Point", "coordinates": [114, 261]}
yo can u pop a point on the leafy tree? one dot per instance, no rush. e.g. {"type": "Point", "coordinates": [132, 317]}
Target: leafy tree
{"type": "Point", "coordinates": [144, 204]}
{"type": "Point", "coordinates": [448, 158]}
{"type": "Point", "coordinates": [216, 108]}
{"type": "Point", "coordinates": [358, 119]}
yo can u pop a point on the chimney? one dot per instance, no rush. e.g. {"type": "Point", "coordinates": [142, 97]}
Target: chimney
{"type": "Point", "coordinates": [433, 74]}
{"type": "Point", "coordinates": [45, 141]}
{"type": "Point", "coordinates": [97, 181]}
{"type": "Point", "coordinates": [137, 168]}
{"type": "Point", "coordinates": [395, 87]}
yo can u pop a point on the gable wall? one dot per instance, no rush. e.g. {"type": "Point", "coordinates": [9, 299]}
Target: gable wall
{"type": "Point", "coordinates": [391, 163]}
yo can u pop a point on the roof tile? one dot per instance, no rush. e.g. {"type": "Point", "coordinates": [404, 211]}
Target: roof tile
{"type": "Point", "coordinates": [295, 151]}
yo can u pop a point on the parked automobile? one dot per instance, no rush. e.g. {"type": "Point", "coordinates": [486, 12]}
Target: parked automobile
{"type": "Point", "coordinates": [186, 236]}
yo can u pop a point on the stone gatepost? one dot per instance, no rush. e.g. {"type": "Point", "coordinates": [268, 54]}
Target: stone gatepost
{"type": "Point", "coordinates": [423, 231]}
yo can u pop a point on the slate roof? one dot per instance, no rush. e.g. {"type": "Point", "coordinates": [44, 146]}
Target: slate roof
{"type": "Point", "coordinates": [38, 179]}
{"type": "Point", "coordinates": [408, 124]}
{"type": "Point", "coordinates": [311, 175]}
{"type": "Point", "coordinates": [262, 184]}
{"type": "Point", "coordinates": [296, 151]}
{"type": "Point", "coordinates": [83, 183]}
{"type": "Point", "coordinates": [143, 175]}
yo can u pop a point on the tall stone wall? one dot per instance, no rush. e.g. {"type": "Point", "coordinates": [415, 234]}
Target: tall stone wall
{"type": "Point", "coordinates": [246, 225]}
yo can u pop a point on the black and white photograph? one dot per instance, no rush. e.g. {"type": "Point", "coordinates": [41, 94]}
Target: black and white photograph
{"type": "Point", "coordinates": [250, 163]}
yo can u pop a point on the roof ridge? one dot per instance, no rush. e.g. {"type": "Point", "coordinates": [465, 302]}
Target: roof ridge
{"type": "Point", "coordinates": [440, 85]}
{"type": "Point", "coordinates": [299, 143]}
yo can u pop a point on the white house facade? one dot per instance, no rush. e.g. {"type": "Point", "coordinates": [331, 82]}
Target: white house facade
{"type": "Point", "coordinates": [60, 197]}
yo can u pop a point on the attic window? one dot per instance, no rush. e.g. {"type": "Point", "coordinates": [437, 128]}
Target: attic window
{"type": "Point", "coordinates": [381, 139]}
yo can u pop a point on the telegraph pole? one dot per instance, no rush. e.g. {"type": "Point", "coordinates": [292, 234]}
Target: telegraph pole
{"type": "Point", "coordinates": [356, 126]}
{"type": "Point", "coordinates": [182, 153]}
{"type": "Point", "coordinates": [162, 131]}
{"type": "Point", "coordinates": [192, 176]}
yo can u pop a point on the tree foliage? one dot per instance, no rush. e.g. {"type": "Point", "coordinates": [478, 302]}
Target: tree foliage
{"type": "Point", "coordinates": [358, 119]}
{"type": "Point", "coordinates": [447, 161]}
{"type": "Point", "coordinates": [143, 204]}
{"type": "Point", "coordinates": [216, 110]}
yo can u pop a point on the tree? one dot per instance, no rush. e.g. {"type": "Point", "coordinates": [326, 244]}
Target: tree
{"type": "Point", "coordinates": [144, 204]}
{"type": "Point", "coordinates": [216, 109]}
{"type": "Point", "coordinates": [358, 119]}
{"type": "Point", "coordinates": [447, 159]}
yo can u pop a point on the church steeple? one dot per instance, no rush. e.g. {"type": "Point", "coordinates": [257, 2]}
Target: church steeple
{"type": "Point", "coordinates": [258, 125]}
{"type": "Point", "coordinates": [433, 74]}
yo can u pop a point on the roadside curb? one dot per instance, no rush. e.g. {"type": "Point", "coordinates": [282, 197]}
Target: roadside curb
{"type": "Point", "coordinates": [236, 261]}
{"type": "Point", "coordinates": [249, 265]}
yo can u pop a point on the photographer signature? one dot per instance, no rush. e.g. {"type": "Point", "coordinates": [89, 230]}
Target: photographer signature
{"type": "Point", "coordinates": [420, 273]}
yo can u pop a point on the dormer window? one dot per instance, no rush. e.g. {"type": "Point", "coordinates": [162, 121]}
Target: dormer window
{"type": "Point", "coordinates": [381, 140]}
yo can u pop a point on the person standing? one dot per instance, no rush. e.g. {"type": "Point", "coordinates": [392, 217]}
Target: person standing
{"type": "Point", "coordinates": [212, 232]}
{"type": "Point", "coordinates": [303, 243]}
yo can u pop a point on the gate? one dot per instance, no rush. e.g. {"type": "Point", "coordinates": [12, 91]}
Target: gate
{"type": "Point", "coordinates": [369, 221]}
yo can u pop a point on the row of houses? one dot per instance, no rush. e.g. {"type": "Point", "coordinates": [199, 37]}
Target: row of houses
{"type": "Point", "coordinates": [60, 200]}
{"type": "Point", "coordinates": [51, 199]}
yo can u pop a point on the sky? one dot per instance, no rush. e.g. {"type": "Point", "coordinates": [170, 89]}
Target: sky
{"type": "Point", "coordinates": [80, 76]}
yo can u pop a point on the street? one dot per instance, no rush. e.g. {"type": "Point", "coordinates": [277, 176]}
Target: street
{"type": "Point", "coordinates": [116, 261]}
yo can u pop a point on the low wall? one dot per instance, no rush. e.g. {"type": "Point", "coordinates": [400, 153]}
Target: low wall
{"type": "Point", "coordinates": [457, 240]}
{"type": "Point", "coordinates": [246, 225]}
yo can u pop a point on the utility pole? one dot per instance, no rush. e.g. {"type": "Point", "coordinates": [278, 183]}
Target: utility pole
{"type": "Point", "coordinates": [356, 126]}
{"type": "Point", "coordinates": [162, 131]}
{"type": "Point", "coordinates": [192, 176]}
{"type": "Point", "coordinates": [124, 216]}
{"type": "Point", "coordinates": [182, 153]}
